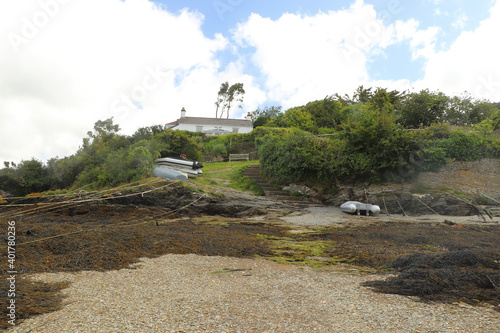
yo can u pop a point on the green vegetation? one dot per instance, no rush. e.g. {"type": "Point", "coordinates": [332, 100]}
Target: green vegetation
{"type": "Point", "coordinates": [245, 183]}
{"type": "Point", "coordinates": [104, 159]}
{"type": "Point", "coordinates": [229, 174]}
{"type": "Point", "coordinates": [301, 252]}
{"type": "Point", "coordinates": [377, 135]}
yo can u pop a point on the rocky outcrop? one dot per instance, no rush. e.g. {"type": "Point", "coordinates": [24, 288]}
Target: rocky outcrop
{"type": "Point", "coordinates": [416, 204]}
{"type": "Point", "coordinates": [404, 202]}
{"type": "Point", "coordinates": [230, 204]}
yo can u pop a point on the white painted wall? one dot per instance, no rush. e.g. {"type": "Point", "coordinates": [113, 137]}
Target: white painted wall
{"type": "Point", "coordinates": [230, 129]}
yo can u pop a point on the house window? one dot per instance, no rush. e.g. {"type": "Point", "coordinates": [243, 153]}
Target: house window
{"type": "Point", "coordinates": [235, 129]}
{"type": "Point", "coordinates": [199, 128]}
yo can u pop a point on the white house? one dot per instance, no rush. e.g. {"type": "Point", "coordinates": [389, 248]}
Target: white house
{"type": "Point", "coordinates": [211, 126]}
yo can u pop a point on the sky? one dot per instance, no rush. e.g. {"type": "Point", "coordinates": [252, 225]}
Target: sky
{"type": "Point", "coordinates": [65, 64]}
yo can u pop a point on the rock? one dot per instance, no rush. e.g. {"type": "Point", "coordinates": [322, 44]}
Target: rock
{"type": "Point", "coordinates": [304, 190]}
{"type": "Point", "coordinates": [230, 204]}
{"type": "Point", "coordinates": [5, 194]}
{"type": "Point", "coordinates": [423, 205]}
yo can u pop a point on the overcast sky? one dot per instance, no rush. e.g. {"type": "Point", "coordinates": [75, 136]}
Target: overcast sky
{"type": "Point", "coordinates": [64, 64]}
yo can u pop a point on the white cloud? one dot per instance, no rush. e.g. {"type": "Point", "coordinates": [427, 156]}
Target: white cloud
{"type": "Point", "coordinates": [66, 64]}
{"type": "Point", "coordinates": [422, 42]}
{"type": "Point", "coordinates": [470, 64]}
{"type": "Point", "coordinates": [461, 21]}
{"type": "Point", "coordinates": [308, 57]}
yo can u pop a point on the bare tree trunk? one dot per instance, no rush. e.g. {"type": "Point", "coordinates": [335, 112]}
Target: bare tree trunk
{"type": "Point", "coordinates": [228, 108]}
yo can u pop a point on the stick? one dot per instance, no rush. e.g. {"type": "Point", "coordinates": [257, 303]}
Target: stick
{"type": "Point", "coordinates": [404, 213]}
{"type": "Point", "coordinates": [385, 206]}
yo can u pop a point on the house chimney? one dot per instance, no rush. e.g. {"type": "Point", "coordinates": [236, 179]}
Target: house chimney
{"type": "Point", "coordinates": [249, 116]}
{"type": "Point", "coordinates": [183, 113]}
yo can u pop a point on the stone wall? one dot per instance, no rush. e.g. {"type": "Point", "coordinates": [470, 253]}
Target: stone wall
{"type": "Point", "coordinates": [466, 177]}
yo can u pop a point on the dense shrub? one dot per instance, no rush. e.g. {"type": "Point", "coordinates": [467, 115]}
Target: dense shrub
{"type": "Point", "coordinates": [463, 146]}
{"type": "Point", "coordinates": [27, 177]}
{"type": "Point", "coordinates": [223, 145]}
{"type": "Point", "coordinates": [174, 143]}
{"type": "Point", "coordinates": [433, 159]}
{"type": "Point", "coordinates": [367, 148]}
{"type": "Point", "coordinates": [219, 150]}
{"type": "Point", "coordinates": [297, 157]}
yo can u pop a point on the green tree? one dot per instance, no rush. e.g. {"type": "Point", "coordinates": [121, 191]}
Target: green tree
{"type": "Point", "coordinates": [227, 96]}
{"type": "Point", "coordinates": [492, 123]}
{"type": "Point", "coordinates": [279, 155]}
{"type": "Point", "coordinates": [9, 182]}
{"type": "Point", "coordinates": [126, 165]}
{"type": "Point", "coordinates": [100, 143]}
{"type": "Point", "coordinates": [261, 117]}
{"type": "Point", "coordinates": [146, 133]}
{"type": "Point", "coordinates": [481, 111]}
{"type": "Point", "coordinates": [298, 118]}
{"type": "Point", "coordinates": [63, 172]}
{"type": "Point", "coordinates": [344, 100]}
{"type": "Point", "coordinates": [32, 176]}
{"type": "Point", "coordinates": [107, 158]}
{"type": "Point", "coordinates": [397, 99]}
{"type": "Point", "coordinates": [459, 111]}
{"type": "Point", "coordinates": [326, 113]}
{"type": "Point", "coordinates": [363, 95]}
{"type": "Point", "coordinates": [174, 143]}
{"type": "Point", "coordinates": [278, 121]}
{"type": "Point", "coordinates": [104, 128]}
{"type": "Point", "coordinates": [375, 144]}
{"type": "Point", "coordinates": [423, 109]}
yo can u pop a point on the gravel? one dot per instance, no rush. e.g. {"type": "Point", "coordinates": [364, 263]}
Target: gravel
{"type": "Point", "coordinates": [192, 293]}
{"type": "Point", "coordinates": [333, 216]}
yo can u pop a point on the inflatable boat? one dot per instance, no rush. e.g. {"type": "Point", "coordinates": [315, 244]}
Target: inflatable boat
{"type": "Point", "coordinates": [356, 207]}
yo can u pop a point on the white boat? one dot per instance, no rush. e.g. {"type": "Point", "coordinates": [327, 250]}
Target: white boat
{"type": "Point", "coordinates": [356, 207]}
{"type": "Point", "coordinates": [178, 167]}
{"type": "Point", "coordinates": [190, 169]}
{"type": "Point", "coordinates": [169, 174]}
{"type": "Point", "coordinates": [194, 165]}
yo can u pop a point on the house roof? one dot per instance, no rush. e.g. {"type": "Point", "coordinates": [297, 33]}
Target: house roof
{"type": "Point", "coordinates": [212, 121]}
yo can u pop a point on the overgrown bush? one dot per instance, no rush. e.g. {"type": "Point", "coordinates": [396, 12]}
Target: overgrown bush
{"type": "Point", "coordinates": [463, 146]}
{"type": "Point", "coordinates": [219, 150]}
{"type": "Point", "coordinates": [27, 177]}
{"type": "Point", "coordinates": [434, 158]}
{"type": "Point", "coordinates": [223, 145]}
{"type": "Point", "coordinates": [296, 157]}
{"type": "Point", "coordinates": [174, 143]}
